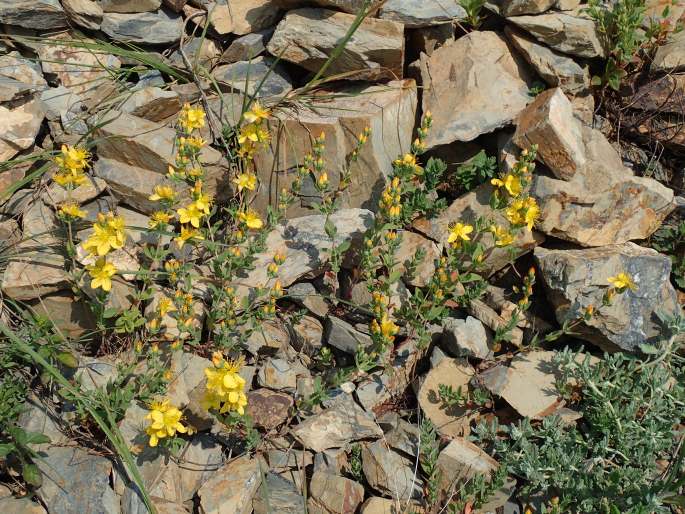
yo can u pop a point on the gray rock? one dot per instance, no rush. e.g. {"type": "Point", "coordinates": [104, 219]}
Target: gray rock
{"type": "Point", "coordinates": [152, 28]}
{"type": "Point", "coordinates": [343, 336]}
{"type": "Point", "coordinates": [61, 103]}
{"type": "Point", "coordinates": [466, 338]}
{"type": "Point", "coordinates": [333, 494]}
{"type": "Point", "coordinates": [276, 494]}
{"type": "Point", "coordinates": [572, 33]}
{"type": "Point", "coordinates": [231, 489]}
{"type": "Point", "coordinates": [130, 6]}
{"type": "Point", "coordinates": [575, 279]}
{"type": "Point", "coordinates": [518, 7]}
{"type": "Point", "coordinates": [461, 460]}
{"type": "Point", "coordinates": [671, 56]}
{"type": "Point", "coordinates": [19, 77]}
{"type": "Point", "coordinates": [472, 86]}
{"type": "Point", "coordinates": [308, 37]}
{"type": "Point", "coordinates": [152, 103]}
{"type": "Point", "coordinates": [389, 472]}
{"type": "Point", "coordinates": [306, 295]}
{"type": "Point", "coordinates": [268, 338]}
{"type": "Point", "coordinates": [281, 374]}
{"type": "Point", "coordinates": [86, 13]}
{"type": "Point", "coordinates": [10, 505]}
{"type": "Point", "coordinates": [33, 14]}
{"type": "Point", "coordinates": [336, 426]}
{"type": "Point", "coordinates": [247, 76]}
{"type": "Point", "coordinates": [247, 47]}
{"type": "Point", "coordinates": [400, 434]}
{"type": "Point", "coordinates": [242, 16]}
{"type": "Point", "coordinates": [418, 13]}
{"type": "Point", "coordinates": [203, 51]}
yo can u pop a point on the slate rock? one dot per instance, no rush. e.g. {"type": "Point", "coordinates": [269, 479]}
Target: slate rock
{"type": "Point", "coordinates": [333, 494]}
{"type": "Point", "coordinates": [152, 28]}
{"type": "Point", "coordinates": [231, 489]}
{"type": "Point", "coordinates": [246, 76]}
{"type": "Point", "coordinates": [389, 472]}
{"type": "Point", "coordinates": [419, 13]}
{"type": "Point", "coordinates": [33, 14]}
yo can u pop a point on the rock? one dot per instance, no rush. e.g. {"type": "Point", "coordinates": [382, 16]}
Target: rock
{"type": "Point", "coordinates": [247, 47]}
{"type": "Point", "coordinates": [376, 505]}
{"type": "Point", "coordinates": [307, 335]}
{"type": "Point", "coordinates": [555, 68]}
{"type": "Point", "coordinates": [453, 421]}
{"type": "Point", "coordinates": [333, 494]}
{"type": "Point", "coordinates": [243, 16]}
{"type": "Point", "coordinates": [348, 6]}
{"type": "Point", "coordinates": [199, 52]}
{"type": "Point", "coordinates": [493, 320]}
{"type": "Point", "coordinates": [72, 317]}
{"type": "Point", "coordinates": [84, 71]}
{"type": "Point", "coordinates": [467, 209]}
{"type": "Point", "coordinates": [307, 37]}
{"type": "Point", "coordinates": [400, 434]}
{"type": "Point", "coordinates": [152, 28]}
{"type": "Point", "coordinates": [664, 95]}
{"type": "Point", "coordinates": [518, 7]}
{"type": "Point", "coordinates": [389, 110]}
{"type": "Point", "coordinates": [303, 241]}
{"type": "Point", "coordinates": [336, 426]}
{"type": "Point", "coordinates": [528, 384]}
{"type": "Point", "coordinates": [670, 56]}
{"type": "Point", "coordinates": [389, 472]}
{"type": "Point", "coordinates": [175, 5]}
{"type": "Point", "coordinates": [410, 244]}
{"type": "Point", "coordinates": [549, 123]}
{"type": "Point", "coordinates": [169, 322]}
{"type": "Point", "coordinates": [415, 13]}
{"type": "Point", "coordinates": [306, 295]}
{"type": "Point", "coordinates": [575, 279]}
{"type": "Point", "coordinates": [461, 460]}
{"type": "Point", "coordinates": [201, 457]}
{"type": "Point", "coordinates": [428, 39]}
{"type": "Point", "coordinates": [38, 417]}
{"type": "Point", "coordinates": [343, 336]}
{"type": "Point", "coordinates": [466, 338]}
{"type": "Point", "coordinates": [276, 494]}
{"type": "Point", "coordinates": [152, 103]}
{"type": "Point", "coordinates": [572, 33]}
{"type": "Point", "coordinates": [281, 374]}
{"type": "Point", "coordinates": [20, 123]}
{"type": "Point", "coordinates": [472, 86]}
{"type": "Point", "coordinates": [86, 13]}
{"type": "Point", "coordinates": [246, 76]}
{"type": "Point", "coordinates": [270, 337]}
{"type": "Point", "coordinates": [10, 505]}
{"type": "Point", "coordinates": [56, 194]}
{"type": "Point", "coordinates": [130, 6]}
{"type": "Point", "coordinates": [267, 408]}
{"type": "Point", "coordinates": [231, 489]}
{"type": "Point", "coordinates": [62, 104]}
{"type": "Point", "coordinates": [76, 481]}
{"type": "Point", "coordinates": [34, 274]}
{"type": "Point", "coordinates": [19, 77]}
{"type": "Point", "coordinates": [33, 14]}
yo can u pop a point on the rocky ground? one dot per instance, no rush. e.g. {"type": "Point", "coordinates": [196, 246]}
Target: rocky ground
{"type": "Point", "coordinates": [116, 73]}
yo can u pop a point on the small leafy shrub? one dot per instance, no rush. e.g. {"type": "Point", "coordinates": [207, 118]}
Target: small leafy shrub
{"type": "Point", "coordinates": [477, 170]}
{"type": "Point", "coordinates": [473, 9]}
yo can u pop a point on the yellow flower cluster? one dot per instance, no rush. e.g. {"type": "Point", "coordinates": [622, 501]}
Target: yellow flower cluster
{"type": "Point", "coordinates": [191, 119]}
{"type": "Point", "coordinates": [225, 387]}
{"type": "Point", "coordinates": [250, 219]}
{"type": "Point", "coordinates": [165, 421]}
{"type": "Point", "coordinates": [253, 132]}
{"type": "Point", "coordinates": [70, 211]}
{"type": "Point", "coordinates": [523, 211]}
{"type": "Point", "coordinates": [622, 281]}
{"type": "Point", "coordinates": [459, 232]}
{"type": "Point", "coordinates": [108, 234]}
{"type": "Point", "coordinates": [408, 161]}
{"type": "Point", "coordinates": [71, 163]}
{"type": "Point", "coordinates": [382, 326]}
{"type": "Point", "coordinates": [391, 199]}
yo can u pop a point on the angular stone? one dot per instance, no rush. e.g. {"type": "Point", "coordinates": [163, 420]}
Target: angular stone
{"type": "Point", "coordinates": [336, 426]}
{"type": "Point", "coordinates": [19, 125]}
{"type": "Point", "coordinates": [175, 5]}
{"type": "Point", "coordinates": [572, 33]}
{"type": "Point", "coordinates": [343, 336]}
{"type": "Point", "coordinates": [575, 279]}
{"type": "Point", "coordinates": [19, 77]}
{"type": "Point", "coordinates": [376, 505]}
{"type": "Point", "coordinates": [428, 39]}
{"type": "Point", "coordinates": [461, 460]}
{"type": "Point", "coordinates": [243, 16]}
{"type": "Point", "coordinates": [203, 51]}
{"type": "Point", "coordinates": [453, 421]}
{"type": "Point", "coordinates": [267, 408]}
{"type": "Point", "coordinates": [63, 104]}
{"type": "Point", "coordinates": [549, 123]}
{"type": "Point", "coordinates": [72, 317]}
{"type": "Point", "coordinates": [246, 76]}
{"type": "Point", "coordinates": [33, 14]}
{"type": "Point", "coordinates": [307, 335]}
{"type": "Point", "coordinates": [527, 384]}
{"type": "Point", "coordinates": [131, 184]}
{"type": "Point", "coordinates": [417, 13]}
{"type": "Point", "coordinates": [278, 495]}
{"type": "Point", "coordinates": [306, 294]}
{"type": "Point", "coordinates": [410, 244]}
{"type": "Point", "coordinates": [518, 7]}
{"type": "Point", "coordinates": [10, 505]}
{"type": "Point", "coordinates": [152, 28]}
{"type": "Point", "coordinates": [152, 103]}
{"type": "Point", "coordinates": [247, 47]}
{"type": "Point", "coordinates": [333, 494]}
{"type": "Point", "coordinates": [472, 86]}
{"type": "Point", "coordinates": [267, 339]}
{"type": "Point", "coordinates": [389, 111]}
{"type": "Point", "coordinates": [130, 6]}
{"type": "Point", "coordinates": [231, 489]}
{"type": "Point", "coordinates": [401, 435]}
{"type": "Point", "coordinates": [555, 68]}
{"type": "Point", "coordinates": [169, 322]}
{"type": "Point", "coordinates": [308, 37]}
{"type": "Point", "coordinates": [34, 274]}
{"type": "Point", "coordinates": [56, 194]}
{"type": "Point", "coordinates": [670, 56]}
{"type": "Point", "coordinates": [86, 13]}
{"type": "Point", "coordinates": [389, 472]}
{"type": "Point", "coordinates": [467, 209]}
{"type": "Point", "coordinates": [466, 338]}
{"type": "Point", "coordinates": [281, 374]}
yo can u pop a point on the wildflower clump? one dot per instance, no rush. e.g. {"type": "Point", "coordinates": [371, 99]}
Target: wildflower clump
{"type": "Point", "coordinates": [165, 422]}
{"type": "Point", "coordinates": [71, 162]}
{"type": "Point", "coordinates": [225, 387]}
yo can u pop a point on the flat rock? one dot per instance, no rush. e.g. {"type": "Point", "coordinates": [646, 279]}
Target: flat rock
{"type": "Point", "coordinates": [568, 32]}
{"type": "Point", "coordinates": [247, 47]}
{"type": "Point", "coordinates": [307, 37]}
{"type": "Point", "coordinates": [305, 294]}
{"type": "Point", "coordinates": [401, 435]}
{"type": "Point", "coordinates": [33, 14]}
{"type": "Point", "coordinates": [518, 7]}
{"type": "Point", "coordinates": [231, 489]}
{"type": "Point", "coordinates": [152, 103]}
{"type": "Point", "coordinates": [20, 76]}
{"type": "Point", "coordinates": [333, 494]}
{"type": "Point", "coordinates": [278, 495]}
{"type": "Point", "coordinates": [152, 28]}
{"type": "Point", "coordinates": [461, 460]}
{"type": "Point", "coordinates": [281, 374]}
{"type": "Point", "coordinates": [20, 123]}
{"type": "Point", "coordinates": [417, 13]}
{"type": "Point", "coordinates": [267, 339]}
{"type": "Point", "coordinates": [260, 76]}
{"type": "Point", "coordinates": [10, 505]}
{"type": "Point", "coordinates": [670, 56]}
{"type": "Point", "coordinates": [243, 16]}
{"type": "Point", "coordinates": [307, 335]}
{"type": "Point", "coordinates": [575, 279]}
{"type": "Point", "coordinates": [390, 473]}
{"type": "Point", "coordinates": [72, 317]}
{"type": "Point", "coordinates": [555, 68]}
{"type": "Point", "coordinates": [85, 192]}
{"type": "Point", "coordinates": [268, 408]}
{"type": "Point", "coordinates": [389, 110]}
{"type": "Point", "coordinates": [472, 86]}
{"type": "Point", "coordinates": [336, 426]}
{"type": "Point", "coordinates": [454, 421]}
{"type": "Point", "coordinates": [410, 244]}
{"type": "Point", "coordinates": [86, 13]}
{"type": "Point", "coordinates": [130, 6]}
{"type": "Point", "coordinates": [34, 274]}
{"type": "Point", "coordinates": [343, 336]}
{"type": "Point", "coordinates": [466, 338]}
{"type": "Point", "coordinates": [199, 51]}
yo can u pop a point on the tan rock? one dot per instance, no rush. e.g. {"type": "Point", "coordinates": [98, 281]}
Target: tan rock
{"type": "Point", "coordinates": [86, 13]}
{"type": "Point", "coordinates": [410, 244]}
{"type": "Point", "coordinates": [518, 7]}
{"type": "Point", "coordinates": [389, 472]}
{"type": "Point", "coordinates": [19, 125]}
{"type": "Point", "coordinates": [34, 274]}
{"type": "Point", "coordinates": [152, 103]}
{"type": "Point", "coordinates": [71, 317]}
{"type": "Point", "coordinates": [23, 70]}
{"type": "Point", "coordinates": [130, 6]}
{"type": "Point", "coordinates": [231, 489]}
{"type": "Point", "coordinates": [56, 194]}
{"type": "Point", "coordinates": [472, 86]}
{"type": "Point", "coordinates": [461, 460]}
{"type": "Point", "coordinates": [549, 123]}
{"type": "Point", "coordinates": [333, 494]}
{"type": "Point", "coordinates": [671, 56]}
{"type": "Point", "coordinates": [243, 16]}
{"type": "Point", "coordinates": [308, 37]}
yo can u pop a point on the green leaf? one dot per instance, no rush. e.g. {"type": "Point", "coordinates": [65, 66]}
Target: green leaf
{"type": "Point", "coordinates": [110, 313]}
{"type": "Point", "coordinates": [32, 475]}
{"type": "Point", "coordinates": [330, 229]}
{"type": "Point", "coordinates": [68, 359]}
{"type": "Point", "coordinates": [6, 449]}
{"type": "Point", "coordinates": [36, 438]}
{"type": "Point", "coordinates": [596, 80]}
{"type": "Point", "coordinates": [648, 349]}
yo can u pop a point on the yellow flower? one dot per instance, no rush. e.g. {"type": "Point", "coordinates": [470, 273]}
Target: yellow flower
{"type": "Point", "coordinates": [69, 178]}
{"type": "Point", "coordinates": [323, 179]}
{"type": "Point", "coordinates": [195, 143]}
{"type": "Point", "coordinates": [101, 272]}
{"type": "Point", "coordinates": [386, 328]}
{"type": "Point", "coordinates": [246, 181]}
{"type": "Point", "coordinates": [256, 113]}
{"type": "Point", "coordinates": [108, 234]}
{"type": "Point", "coordinates": [71, 210]}
{"type": "Point", "coordinates": [72, 158]}
{"type": "Point", "coordinates": [165, 421]}
{"type": "Point", "coordinates": [252, 133]}
{"type": "Point", "coordinates": [409, 160]}
{"type": "Point", "coordinates": [187, 234]}
{"type": "Point", "coordinates": [164, 306]}
{"type": "Point", "coordinates": [190, 214]}
{"type": "Point", "coordinates": [511, 183]}
{"type": "Point", "coordinates": [191, 119]}
{"type": "Point", "coordinates": [502, 236]}
{"type": "Point", "coordinates": [459, 232]}
{"type": "Point", "coordinates": [159, 218]}
{"type": "Point", "coordinates": [622, 281]}
{"type": "Point", "coordinates": [162, 193]}
{"type": "Point", "coordinates": [225, 387]}
{"type": "Point", "coordinates": [251, 219]}
{"type": "Point", "coordinates": [523, 212]}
